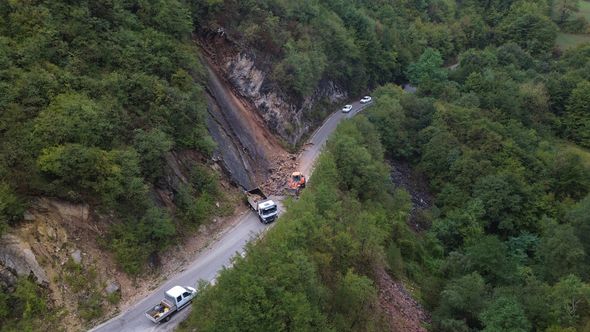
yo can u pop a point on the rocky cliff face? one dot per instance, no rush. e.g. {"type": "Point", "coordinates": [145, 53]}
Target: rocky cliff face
{"type": "Point", "coordinates": [250, 79]}
{"type": "Point", "coordinates": [17, 260]}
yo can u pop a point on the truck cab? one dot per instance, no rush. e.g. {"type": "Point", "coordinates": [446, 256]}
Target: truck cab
{"type": "Point", "coordinates": [267, 211]}
{"type": "Point", "coordinates": [180, 296]}
{"type": "Point", "coordinates": [265, 208]}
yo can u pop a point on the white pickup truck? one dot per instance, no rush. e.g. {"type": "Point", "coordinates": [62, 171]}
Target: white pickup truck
{"type": "Point", "coordinates": [175, 299]}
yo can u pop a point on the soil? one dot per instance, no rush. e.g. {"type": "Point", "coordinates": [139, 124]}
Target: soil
{"type": "Point", "coordinates": [402, 312]}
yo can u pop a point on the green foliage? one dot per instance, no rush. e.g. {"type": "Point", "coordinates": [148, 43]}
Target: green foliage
{"type": "Point", "coordinates": [528, 26]}
{"type": "Point", "coordinates": [576, 118]}
{"type": "Point", "coordinates": [83, 282]}
{"type": "Point", "coordinates": [138, 238]}
{"type": "Point", "coordinates": [462, 299]}
{"type": "Point", "coordinates": [489, 257]}
{"type": "Point", "coordinates": [561, 253]}
{"type": "Point", "coordinates": [151, 147]}
{"type": "Point", "coordinates": [11, 207]}
{"type": "Point", "coordinates": [500, 180]}
{"type": "Point", "coordinates": [570, 298]}
{"type": "Point", "coordinates": [94, 94]}
{"type": "Point", "coordinates": [354, 300]}
{"type": "Point", "coordinates": [427, 72]}
{"type": "Point", "coordinates": [73, 118]}
{"type": "Point", "coordinates": [75, 171]}
{"type": "Point", "coordinates": [310, 271]}
{"type": "Point", "coordinates": [505, 314]}
{"type": "Point", "coordinates": [301, 69]}
{"type": "Point", "coordinates": [25, 308]}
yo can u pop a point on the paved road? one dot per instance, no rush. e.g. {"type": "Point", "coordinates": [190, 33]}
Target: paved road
{"type": "Point", "coordinates": [218, 254]}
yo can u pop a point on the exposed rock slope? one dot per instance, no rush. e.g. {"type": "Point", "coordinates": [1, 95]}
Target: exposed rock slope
{"type": "Point", "coordinates": [289, 117]}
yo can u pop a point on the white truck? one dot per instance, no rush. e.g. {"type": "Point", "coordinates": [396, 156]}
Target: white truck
{"type": "Point", "coordinates": [174, 300]}
{"type": "Point", "coordinates": [265, 208]}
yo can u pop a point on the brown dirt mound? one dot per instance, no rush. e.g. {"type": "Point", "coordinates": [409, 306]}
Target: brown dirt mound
{"type": "Point", "coordinates": [401, 311]}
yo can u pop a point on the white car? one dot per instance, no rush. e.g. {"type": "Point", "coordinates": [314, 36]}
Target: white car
{"type": "Point", "coordinates": [347, 108]}
{"type": "Point", "coordinates": [366, 99]}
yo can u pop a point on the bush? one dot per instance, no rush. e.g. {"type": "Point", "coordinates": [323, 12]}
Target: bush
{"type": "Point", "coordinates": [134, 240]}
{"type": "Point", "coordinates": [11, 207]}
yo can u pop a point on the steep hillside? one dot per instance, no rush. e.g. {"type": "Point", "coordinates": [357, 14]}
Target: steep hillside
{"type": "Point", "coordinates": [500, 241]}
{"type": "Point", "coordinates": [104, 154]}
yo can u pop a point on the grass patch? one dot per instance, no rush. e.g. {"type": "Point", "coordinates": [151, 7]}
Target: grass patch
{"type": "Point", "coordinates": [83, 281]}
{"type": "Point", "coordinates": [583, 153]}
{"type": "Point", "coordinates": [569, 40]}
{"type": "Point", "coordinates": [584, 10]}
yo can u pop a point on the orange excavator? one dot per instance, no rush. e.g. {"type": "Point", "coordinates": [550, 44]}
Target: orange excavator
{"type": "Point", "coordinates": [296, 183]}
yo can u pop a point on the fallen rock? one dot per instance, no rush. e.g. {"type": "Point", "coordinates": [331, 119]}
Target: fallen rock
{"type": "Point", "coordinates": [7, 278]}
{"type": "Point", "coordinates": [27, 216]}
{"type": "Point", "coordinates": [112, 287]}
{"type": "Point", "coordinates": [16, 256]}
{"type": "Point", "coordinates": [77, 256]}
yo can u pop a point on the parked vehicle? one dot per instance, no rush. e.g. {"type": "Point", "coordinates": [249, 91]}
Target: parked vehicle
{"type": "Point", "coordinates": [266, 209]}
{"type": "Point", "coordinates": [174, 300]}
{"type": "Point", "coordinates": [296, 183]}
{"type": "Point", "coordinates": [366, 99]}
{"type": "Point", "coordinates": [347, 109]}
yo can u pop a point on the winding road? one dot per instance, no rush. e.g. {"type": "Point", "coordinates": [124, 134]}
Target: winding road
{"type": "Point", "coordinates": [219, 254]}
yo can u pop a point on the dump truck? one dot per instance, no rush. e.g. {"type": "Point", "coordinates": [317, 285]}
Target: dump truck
{"type": "Point", "coordinates": [174, 300]}
{"type": "Point", "coordinates": [265, 208]}
{"type": "Point", "coordinates": [296, 183]}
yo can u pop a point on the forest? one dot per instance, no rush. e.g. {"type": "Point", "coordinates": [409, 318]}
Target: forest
{"type": "Point", "coordinates": [94, 94]}
{"type": "Point", "coordinates": [501, 137]}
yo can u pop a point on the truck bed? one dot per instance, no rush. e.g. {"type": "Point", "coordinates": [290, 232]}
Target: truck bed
{"type": "Point", "coordinates": [254, 196]}
{"type": "Point", "coordinates": [160, 311]}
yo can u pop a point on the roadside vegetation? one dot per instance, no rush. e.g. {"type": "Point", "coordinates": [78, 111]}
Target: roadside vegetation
{"type": "Point", "coordinates": [313, 270]}
{"type": "Point", "coordinates": [27, 309]}
{"type": "Point", "coordinates": [502, 140]}
{"type": "Point", "coordinates": [94, 95]}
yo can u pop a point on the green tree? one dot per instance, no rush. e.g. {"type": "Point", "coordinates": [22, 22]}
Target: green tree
{"type": "Point", "coordinates": [355, 301]}
{"type": "Point", "coordinates": [427, 72]}
{"type": "Point", "coordinates": [561, 253]}
{"type": "Point", "coordinates": [505, 314]}
{"type": "Point", "coordinates": [527, 26]}
{"type": "Point", "coordinates": [73, 118]}
{"type": "Point", "coordinates": [74, 170]}
{"type": "Point", "coordinates": [29, 302]}
{"type": "Point", "coordinates": [151, 147]}
{"type": "Point", "coordinates": [569, 177]}
{"type": "Point", "coordinates": [462, 298]}
{"type": "Point", "coordinates": [11, 207]}
{"type": "Point", "coordinates": [489, 257]}
{"type": "Point", "coordinates": [562, 10]}
{"type": "Point", "coordinates": [577, 117]}
{"type": "Point", "coordinates": [579, 218]}
{"type": "Point", "coordinates": [570, 298]}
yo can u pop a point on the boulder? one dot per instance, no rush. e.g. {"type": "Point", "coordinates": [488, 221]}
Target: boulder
{"type": "Point", "coordinates": [112, 287]}
{"type": "Point", "coordinates": [16, 256]}
{"type": "Point", "coordinates": [77, 256]}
